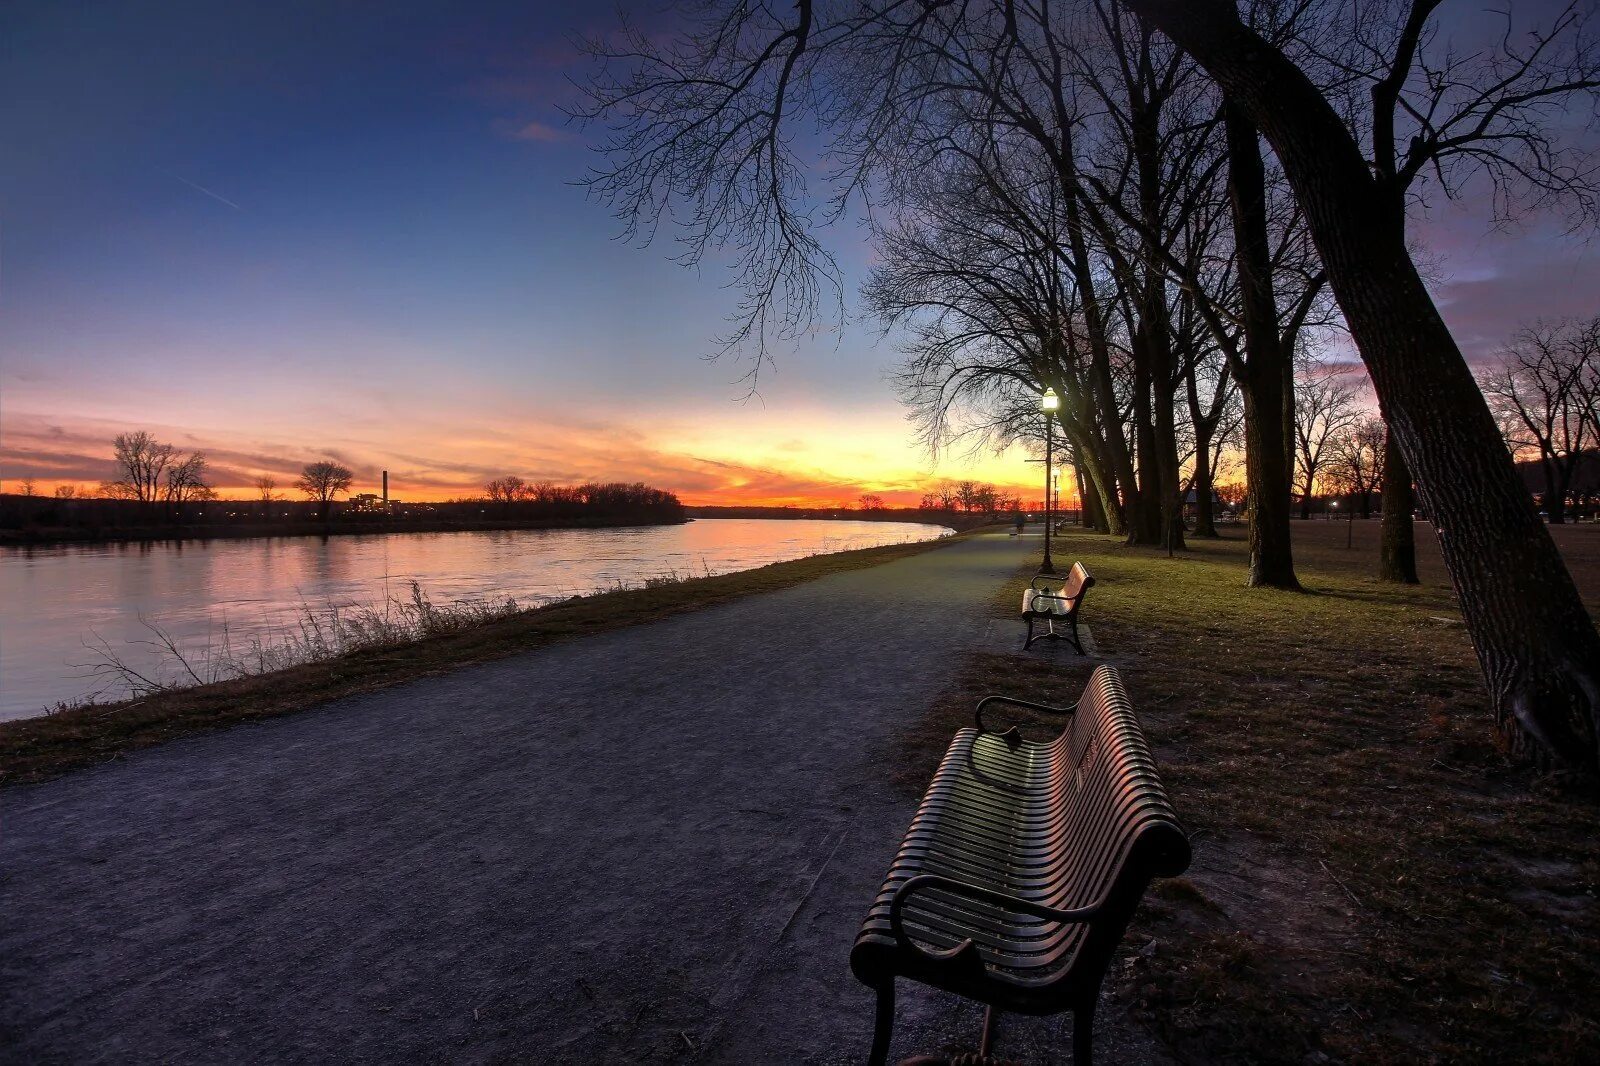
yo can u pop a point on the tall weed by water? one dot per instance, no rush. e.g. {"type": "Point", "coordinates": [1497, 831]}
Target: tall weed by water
{"type": "Point", "coordinates": [315, 634]}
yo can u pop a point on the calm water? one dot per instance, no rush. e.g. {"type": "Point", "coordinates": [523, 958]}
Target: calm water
{"type": "Point", "coordinates": [62, 601]}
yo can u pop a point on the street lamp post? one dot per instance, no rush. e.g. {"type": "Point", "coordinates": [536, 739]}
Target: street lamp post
{"type": "Point", "coordinates": [1048, 403]}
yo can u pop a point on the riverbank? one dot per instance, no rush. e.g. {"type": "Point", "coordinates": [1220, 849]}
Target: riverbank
{"type": "Point", "coordinates": [32, 749]}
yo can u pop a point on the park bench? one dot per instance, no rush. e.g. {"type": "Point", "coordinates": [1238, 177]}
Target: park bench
{"type": "Point", "coordinates": [1058, 607]}
{"type": "Point", "coordinates": [1023, 865]}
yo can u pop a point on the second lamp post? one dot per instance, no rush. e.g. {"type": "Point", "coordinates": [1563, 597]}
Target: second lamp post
{"type": "Point", "coordinates": [1048, 403]}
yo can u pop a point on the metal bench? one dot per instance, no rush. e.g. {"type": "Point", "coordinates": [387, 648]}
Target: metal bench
{"type": "Point", "coordinates": [1023, 865]}
{"type": "Point", "coordinates": [1056, 607]}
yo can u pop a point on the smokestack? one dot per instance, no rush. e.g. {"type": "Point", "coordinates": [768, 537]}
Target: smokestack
{"type": "Point", "coordinates": [386, 488]}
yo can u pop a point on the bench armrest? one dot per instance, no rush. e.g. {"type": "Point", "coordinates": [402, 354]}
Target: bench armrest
{"type": "Point", "coordinates": [1048, 579]}
{"type": "Point", "coordinates": [977, 714]}
{"type": "Point", "coordinates": [978, 894]}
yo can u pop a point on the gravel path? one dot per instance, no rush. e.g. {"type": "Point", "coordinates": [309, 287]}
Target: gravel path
{"type": "Point", "coordinates": [651, 845]}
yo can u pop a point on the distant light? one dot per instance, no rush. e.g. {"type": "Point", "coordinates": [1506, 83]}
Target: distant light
{"type": "Point", "coordinates": [1049, 401]}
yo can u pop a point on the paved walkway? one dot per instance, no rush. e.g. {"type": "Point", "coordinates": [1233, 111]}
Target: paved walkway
{"type": "Point", "coordinates": [650, 845]}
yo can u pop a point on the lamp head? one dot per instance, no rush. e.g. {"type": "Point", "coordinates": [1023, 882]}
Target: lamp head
{"type": "Point", "coordinates": [1049, 401]}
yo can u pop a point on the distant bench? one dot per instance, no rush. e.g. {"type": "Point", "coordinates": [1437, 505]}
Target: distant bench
{"type": "Point", "coordinates": [1056, 607]}
{"type": "Point", "coordinates": [1023, 865]}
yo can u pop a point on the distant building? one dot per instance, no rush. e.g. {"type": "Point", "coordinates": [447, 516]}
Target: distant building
{"type": "Point", "coordinates": [368, 501]}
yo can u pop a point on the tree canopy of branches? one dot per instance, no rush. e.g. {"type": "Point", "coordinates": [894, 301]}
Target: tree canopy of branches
{"type": "Point", "coordinates": [320, 480]}
{"type": "Point", "coordinates": [1355, 466]}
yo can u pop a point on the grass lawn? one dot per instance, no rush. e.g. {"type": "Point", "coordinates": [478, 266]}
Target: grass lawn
{"type": "Point", "coordinates": [1373, 879]}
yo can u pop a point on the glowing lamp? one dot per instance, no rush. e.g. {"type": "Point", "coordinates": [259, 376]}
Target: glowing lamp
{"type": "Point", "coordinates": [1049, 401]}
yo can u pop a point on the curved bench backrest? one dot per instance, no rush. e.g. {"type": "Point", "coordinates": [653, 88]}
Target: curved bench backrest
{"type": "Point", "coordinates": [1115, 813]}
{"type": "Point", "coordinates": [1078, 579]}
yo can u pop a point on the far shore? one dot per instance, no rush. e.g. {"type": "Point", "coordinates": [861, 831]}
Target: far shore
{"type": "Point", "coordinates": [336, 528]}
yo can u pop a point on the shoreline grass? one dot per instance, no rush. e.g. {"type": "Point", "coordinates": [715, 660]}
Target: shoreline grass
{"type": "Point", "coordinates": [39, 748]}
{"type": "Point", "coordinates": [1374, 879]}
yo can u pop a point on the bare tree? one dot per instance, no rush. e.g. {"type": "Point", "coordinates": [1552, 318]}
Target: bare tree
{"type": "Point", "coordinates": [142, 463]}
{"type": "Point", "coordinates": [1325, 406]}
{"type": "Point", "coordinates": [266, 487]}
{"type": "Point", "coordinates": [66, 492]}
{"type": "Point", "coordinates": [28, 487]}
{"type": "Point", "coordinates": [871, 501]}
{"type": "Point", "coordinates": [506, 490]}
{"type": "Point", "coordinates": [185, 480]}
{"type": "Point", "coordinates": [1543, 391]}
{"type": "Point", "coordinates": [321, 480]}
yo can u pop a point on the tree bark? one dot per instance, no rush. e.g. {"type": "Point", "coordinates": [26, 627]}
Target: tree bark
{"type": "Point", "coordinates": [1536, 643]}
{"type": "Point", "coordinates": [1090, 515]}
{"type": "Point", "coordinates": [1267, 449]}
{"type": "Point", "coordinates": [1205, 519]}
{"type": "Point", "coordinates": [1397, 551]}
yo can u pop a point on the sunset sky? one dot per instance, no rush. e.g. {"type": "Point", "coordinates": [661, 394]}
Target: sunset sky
{"type": "Point", "coordinates": [277, 232]}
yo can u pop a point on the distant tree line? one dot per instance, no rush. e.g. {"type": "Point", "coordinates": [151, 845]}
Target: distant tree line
{"type": "Point", "coordinates": [970, 497]}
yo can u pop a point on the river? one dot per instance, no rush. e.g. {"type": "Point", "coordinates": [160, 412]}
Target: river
{"type": "Point", "coordinates": [70, 607]}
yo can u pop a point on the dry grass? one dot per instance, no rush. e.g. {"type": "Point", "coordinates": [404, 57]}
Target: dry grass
{"type": "Point", "coordinates": [1373, 879]}
{"type": "Point", "coordinates": [33, 749]}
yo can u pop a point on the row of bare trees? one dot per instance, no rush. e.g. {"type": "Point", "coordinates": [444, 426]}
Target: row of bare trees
{"type": "Point", "coordinates": [513, 493]}
{"type": "Point", "coordinates": [972, 497]}
{"type": "Point", "coordinates": [1152, 207]}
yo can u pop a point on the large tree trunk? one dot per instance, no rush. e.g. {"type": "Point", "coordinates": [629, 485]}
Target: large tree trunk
{"type": "Point", "coordinates": [1397, 552]}
{"type": "Point", "coordinates": [1145, 510]}
{"type": "Point", "coordinates": [1536, 643]}
{"type": "Point", "coordinates": [1555, 494]}
{"type": "Point", "coordinates": [1205, 519]}
{"type": "Point", "coordinates": [1267, 450]}
{"type": "Point", "coordinates": [1205, 524]}
{"type": "Point", "coordinates": [1090, 514]}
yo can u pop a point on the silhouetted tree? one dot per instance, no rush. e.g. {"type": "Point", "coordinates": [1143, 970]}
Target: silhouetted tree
{"type": "Point", "coordinates": [185, 480]}
{"type": "Point", "coordinates": [142, 463]}
{"type": "Point", "coordinates": [320, 480]}
{"type": "Point", "coordinates": [506, 490]}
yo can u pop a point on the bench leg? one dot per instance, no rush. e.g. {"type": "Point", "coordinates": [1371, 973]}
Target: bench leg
{"type": "Point", "coordinates": [884, 1025]}
{"type": "Point", "coordinates": [1029, 642]}
{"type": "Point", "coordinates": [991, 1019]}
{"type": "Point", "coordinates": [1083, 1035]}
{"type": "Point", "coordinates": [1077, 643]}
